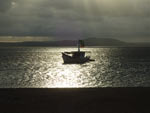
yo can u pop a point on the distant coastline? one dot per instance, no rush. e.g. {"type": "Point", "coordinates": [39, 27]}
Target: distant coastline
{"type": "Point", "coordinates": [104, 42]}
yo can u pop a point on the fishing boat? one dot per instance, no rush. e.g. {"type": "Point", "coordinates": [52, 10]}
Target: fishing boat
{"type": "Point", "coordinates": [76, 56]}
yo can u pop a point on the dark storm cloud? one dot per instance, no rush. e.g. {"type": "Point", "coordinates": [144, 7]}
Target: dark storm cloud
{"type": "Point", "coordinates": [5, 5]}
{"type": "Point", "coordinates": [103, 7]}
{"type": "Point", "coordinates": [75, 18]}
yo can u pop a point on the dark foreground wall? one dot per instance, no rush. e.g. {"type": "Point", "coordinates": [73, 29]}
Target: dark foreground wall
{"type": "Point", "coordinates": [93, 100]}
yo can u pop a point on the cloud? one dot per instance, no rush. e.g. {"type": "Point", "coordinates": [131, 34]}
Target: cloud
{"type": "Point", "coordinates": [102, 7]}
{"type": "Point", "coordinates": [75, 18]}
{"type": "Point", "coordinates": [5, 5]}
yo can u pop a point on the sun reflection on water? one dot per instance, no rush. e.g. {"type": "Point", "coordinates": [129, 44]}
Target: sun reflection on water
{"type": "Point", "coordinates": [52, 73]}
{"type": "Point", "coordinates": [59, 75]}
{"type": "Point", "coordinates": [65, 77]}
{"type": "Point", "coordinates": [68, 78]}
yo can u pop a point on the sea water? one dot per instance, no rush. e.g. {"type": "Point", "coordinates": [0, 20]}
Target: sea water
{"type": "Point", "coordinates": [36, 67]}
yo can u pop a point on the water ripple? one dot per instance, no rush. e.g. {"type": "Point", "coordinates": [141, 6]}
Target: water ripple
{"type": "Point", "coordinates": [43, 67]}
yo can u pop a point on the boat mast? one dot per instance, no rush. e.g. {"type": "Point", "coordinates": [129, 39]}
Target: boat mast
{"type": "Point", "coordinates": [78, 46]}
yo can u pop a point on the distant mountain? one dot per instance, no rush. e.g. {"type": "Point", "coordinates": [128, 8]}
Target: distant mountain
{"type": "Point", "coordinates": [88, 42]}
{"type": "Point", "coordinates": [103, 42]}
{"type": "Point", "coordinates": [43, 43]}
{"type": "Point", "coordinates": [141, 44]}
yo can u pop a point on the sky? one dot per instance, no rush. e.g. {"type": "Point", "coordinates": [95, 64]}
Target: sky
{"type": "Point", "coordinates": [23, 20]}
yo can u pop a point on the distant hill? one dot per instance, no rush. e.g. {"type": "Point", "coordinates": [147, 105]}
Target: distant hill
{"type": "Point", "coordinates": [88, 42]}
{"type": "Point", "coordinates": [103, 42]}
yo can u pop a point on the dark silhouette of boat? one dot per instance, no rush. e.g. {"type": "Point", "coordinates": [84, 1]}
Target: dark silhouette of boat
{"type": "Point", "coordinates": [76, 56]}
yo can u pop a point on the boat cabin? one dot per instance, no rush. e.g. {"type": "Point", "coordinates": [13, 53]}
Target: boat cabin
{"type": "Point", "coordinates": [76, 54]}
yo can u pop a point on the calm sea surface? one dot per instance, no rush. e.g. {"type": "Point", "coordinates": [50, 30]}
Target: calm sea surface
{"type": "Point", "coordinates": [43, 67]}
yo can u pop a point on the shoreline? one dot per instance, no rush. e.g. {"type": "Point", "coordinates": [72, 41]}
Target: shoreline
{"type": "Point", "coordinates": [75, 100]}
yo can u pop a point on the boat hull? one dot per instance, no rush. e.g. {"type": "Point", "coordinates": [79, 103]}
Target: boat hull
{"type": "Point", "coordinates": [70, 60]}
